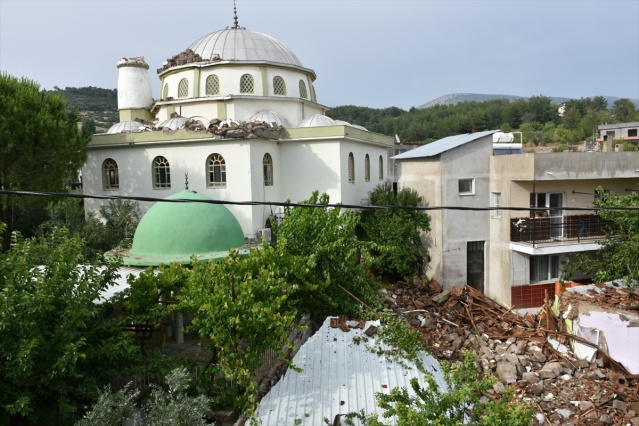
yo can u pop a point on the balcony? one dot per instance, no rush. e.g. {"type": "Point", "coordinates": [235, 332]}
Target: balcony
{"type": "Point", "coordinates": [557, 229]}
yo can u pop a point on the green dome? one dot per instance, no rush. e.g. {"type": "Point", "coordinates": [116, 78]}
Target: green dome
{"type": "Point", "coordinates": [173, 232]}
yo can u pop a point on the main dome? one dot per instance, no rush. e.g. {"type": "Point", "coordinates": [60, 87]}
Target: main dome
{"type": "Point", "coordinates": [239, 44]}
{"type": "Point", "coordinates": [173, 232]}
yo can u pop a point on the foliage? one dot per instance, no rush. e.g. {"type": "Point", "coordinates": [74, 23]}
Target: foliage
{"type": "Point", "coordinates": [121, 218]}
{"type": "Point", "coordinates": [395, 233]}
{"type": "Point", "coordinates": [624, 110]}
{"type": "Point", "coordinates": [58, 346]}
{"type": "Point", "coordinates": [617, 257]}
{"type": "Point", "coordinates": [173, 406]}
{"type": "Point", "coordinates": [324, 238]}
{"type": "Point", "coordinates": [41, 147]}
{"type": "Point", "coordinates": [241, 305]}
{"type": "Point", "coordinates": [458, 404]}
{"type": "Point", "coordinates": [406, 342]}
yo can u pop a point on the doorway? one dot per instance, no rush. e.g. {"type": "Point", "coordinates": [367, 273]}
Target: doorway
{"type": "Point", "coordinates": [475, 264]}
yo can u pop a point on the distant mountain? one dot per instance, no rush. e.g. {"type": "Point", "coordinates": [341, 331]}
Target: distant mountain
{"type": "Point", "coordinates": [101, 105]}
{"type": "Point", "coordinates": [455, 98]}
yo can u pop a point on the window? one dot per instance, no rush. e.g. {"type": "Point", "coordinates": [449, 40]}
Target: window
{"type": "Point", "coordinates": [183, 88]}
{"type": "Point", "coordinates": [544, 268]}
{"type": "Point", "coordinates": [632, 133]}
{"type": "Point", "coordinates": [279, 87]}
{"type": "Point", "coordinates": [161, 173]}
{"type": "Point", "coordinates": [212, 85]}
{"type": "Point", "coordinates": [313, 96]}
{"type": "Point", "coordinates": [110, 176]}
{"type": "Point", "coordinates": [496, 202]}
{"type": "Point", "coordinates": [216, 171]}
{"type": "Point", "coordinates": [367, 168]}
{"type": "Point", "coordinates": [165, 93]}
{"type": "Point", "coordinates": [303, 93]}
{"type": "Point", "coordinates": [246, 83]}
{"type": "Point", "coordinates": [466, 186]}
{"type": "Point", "coordinates": [267, 165]}
{"type": "Point", "coordinates": [381, 168]}
{"type": "Point", "coordinates": [351, 168]}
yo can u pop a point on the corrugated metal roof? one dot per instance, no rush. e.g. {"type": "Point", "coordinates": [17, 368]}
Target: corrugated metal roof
{"type": "Point", "coordinates": [442, 145]}
{"type": "Point", "coordinates": [338, 377]}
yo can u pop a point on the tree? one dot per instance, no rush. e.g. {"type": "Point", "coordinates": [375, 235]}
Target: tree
{"type": "Point", "coordinates": [58, 347]}
{"type": "Point", "coordinates": [624, 110]}
{"type": "Point", "coordinates": [617, 257]}
{"type": "Point", "coordinates": [395, 234]}
{"type": "Point", "coordinates": [41, 147]}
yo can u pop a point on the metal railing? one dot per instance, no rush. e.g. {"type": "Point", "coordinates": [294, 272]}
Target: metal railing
{"type": "Point", "coordinates": [557, 229]}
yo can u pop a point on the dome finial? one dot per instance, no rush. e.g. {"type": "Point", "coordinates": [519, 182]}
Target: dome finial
{"type": "Point", "coordinates": [235, 20]}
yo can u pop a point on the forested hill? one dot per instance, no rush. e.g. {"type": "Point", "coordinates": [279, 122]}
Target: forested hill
{"type": "Point", "coordinates": [537, 117]}
{"type": "Point", "coordinates": [100, 105]}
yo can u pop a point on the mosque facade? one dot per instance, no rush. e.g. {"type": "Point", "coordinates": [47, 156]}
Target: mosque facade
{"type": "Point", "coordinates": [237, 114]}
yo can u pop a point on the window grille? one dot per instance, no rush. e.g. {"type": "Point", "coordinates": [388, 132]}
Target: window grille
{"type": "Point", "coordinates": [216, 174]}
{"type": "Point", "coordinates": [161, 173]}
{"type": "Point", "coordinates": [246, 83]}
{"type": "Point", "coordinates": [110, 177]}
{"type": "Point", "coordinates": [166, 91]}
{"type": "Point", "coordinates": [183, 88]}
{"type": "Point", "coordinates": [212, 85]}
{"type": "Point", "coordinates": [351, 168]}
{"type": "Point", "coordinates": [279, 87]}
{"type": "Point", "coordinates": [303, 93]}
{"type": "Point", "coordinates": [367, 168]}
{"type": "Point", "coordinates": [381, 168]}
{"type": "Point", "coordinates": [267, 164]}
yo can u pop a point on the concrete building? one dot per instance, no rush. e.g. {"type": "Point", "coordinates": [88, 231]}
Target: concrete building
{"type": "Point", "coordinates": [611, 135]}
{"type": "Point", "coordinates": [239, 114]}
{"type": "Point", "coordinates": [513, 256]}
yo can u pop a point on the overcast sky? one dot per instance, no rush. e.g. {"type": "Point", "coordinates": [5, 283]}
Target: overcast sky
{"type": "Point", "coordinates": [365, 53]}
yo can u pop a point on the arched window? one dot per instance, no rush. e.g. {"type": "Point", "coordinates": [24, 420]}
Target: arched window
{"type": "Point", "coordinates": [267, 165]}
{"type": "Point", "coordinates": [279, 87]}
{"type": "Point", "coordinates": [246, 83]}
{"type": "Point", "coordinates": [110, 175]}
{"type": "Point", "coordinates": [183, 88]}
{"type": "Point", "coordinates": [161, 173]}
{"type": "Point", "coordinates": [313, 96]}
{"type": "Point", "coordinates": [367, 168]}
{"type": "Point", "coordinates": [381, 168]}
{"type": "Point", "coordinates": [165, 93]}
{"type": "Point", "coordinates": [212, 85]}
{"type": "Point", "coordinates": [216, 171]}
{"type": "Point", "coordinates": [351, 168]}
{"type": "Point", "coordinates": [303, 93]}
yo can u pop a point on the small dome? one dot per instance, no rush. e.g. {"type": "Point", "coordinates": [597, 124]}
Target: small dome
{"type": "Point", "coordinates": [174, 123]}
{"type": "Point", "coordinates": [346, 123]}
{"type": "Point", "coordinates": [126, 127]}
{"type": "Point", "coordinates": [318, 120]}
{"type": "Point", "coordinates": [173, 232]}
{"type": "Point", "coordinates": [238, 44]}
{"type": "Point", "coordinates": [269, 117]}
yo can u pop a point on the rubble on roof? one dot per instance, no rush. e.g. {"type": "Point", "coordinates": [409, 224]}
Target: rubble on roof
{"type": "Point", "coordinates": [182, 58]}
{"type": "Point", "coordinates": [531, 353]}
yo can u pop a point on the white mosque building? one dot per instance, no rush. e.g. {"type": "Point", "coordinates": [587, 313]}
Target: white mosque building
{"type": "Point", "coordinates": [239, 114]}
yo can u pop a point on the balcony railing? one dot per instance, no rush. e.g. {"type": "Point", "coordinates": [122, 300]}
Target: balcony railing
{"type": "Point", "coordinates": [557, 229]}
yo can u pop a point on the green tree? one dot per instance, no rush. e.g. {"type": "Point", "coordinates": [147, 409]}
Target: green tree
{"type": "Point", "coordinates": [58, 347]}
{"type": "Point", "coordinates": [395, 234]}
{"type": "Point", "coordinates": [617, 257]}
{"type": "Point", "coordinates": [41, 147]}
{"type": "Point", "coordinates": [624, 110]}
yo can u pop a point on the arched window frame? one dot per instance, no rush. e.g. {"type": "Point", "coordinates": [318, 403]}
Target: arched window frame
{"type": "Point", "coordinates": [303, 92]}
{"type": "Point", "coordinates": [183, 88]}
{"type": "Point", "coordinates": [267, 167]}
{"type": "Point", "coordinates": [212, 85]}
{"type": "Point", "coordinates": [279, 86]}
{"type": "Point", "coordinates": [351, 168]}
{"type": "Point", "coordinates": [367, 168]}
{"type": "Point", "coordinates": [161, 173]}
{"type": "Point", "coordinates": [215, 171]}
{"type": "Point", "coordinates": [247, 84]}
{"type": "Point", "coordinates": [165, 93]}
{"type": "Point", "coordinates": [110, 175]}
{"type": "Point", "coordinates": [381, 168]}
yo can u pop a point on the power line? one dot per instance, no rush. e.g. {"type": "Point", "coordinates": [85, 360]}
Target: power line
{"type": "Point", "coordinates": [288, 204]}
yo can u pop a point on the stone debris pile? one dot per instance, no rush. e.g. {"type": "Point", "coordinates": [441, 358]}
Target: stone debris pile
{"type": "Point", "coordinates": [530, 353]}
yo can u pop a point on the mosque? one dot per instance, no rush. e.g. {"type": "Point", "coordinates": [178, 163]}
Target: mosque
{"type": "Point", "coordinates": [239, 116]}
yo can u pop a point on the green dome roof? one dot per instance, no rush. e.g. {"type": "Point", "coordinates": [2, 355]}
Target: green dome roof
{"type": "Point", "coordinates": [173, 232]}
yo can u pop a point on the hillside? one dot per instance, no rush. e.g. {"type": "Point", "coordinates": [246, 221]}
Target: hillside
{"type": "Point", "coordinates": [455, 98]}
{"type": "Point", "coordinates": [100, 105]}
